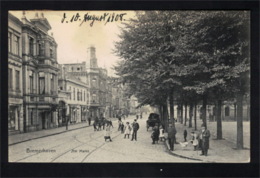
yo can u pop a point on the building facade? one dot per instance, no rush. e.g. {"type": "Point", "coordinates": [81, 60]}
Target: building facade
{"type": "Point", "coordinates": [37, 73]}
{"type": "Point", "coordinates": [15, 89]}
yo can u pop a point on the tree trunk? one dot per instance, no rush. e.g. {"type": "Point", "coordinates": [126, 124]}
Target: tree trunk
{"type": "Point", "coordinates": [195, 116]}
{"type": "Point", "coordinates": [240, 143]}
{"type": "Point", "coordinates": [160, 112]}
{"type": "Point", "coordinates": [219, 121]}
{"type": "Point", "coordinates": [181, 113]}
{"type": "Point", "coordinates": [185, 117]}
{"type": "Point", "coordinates": [235, 114]}
{"type": "Point", "coordinates": [204, 110]}
{"type": "Point", "coordinates": [191, 115]}
{"type": "Point", "coordinates": [165, 116]}
{"type": "Point", "coordinates": [171, 108]}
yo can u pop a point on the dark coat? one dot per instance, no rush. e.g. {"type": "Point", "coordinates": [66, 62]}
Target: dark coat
{"type": "Point", "coordinates": [171, 132]}
{"type": "Point", "coordinates": [135, 126]}
{"type": "Point", "coordinates": [155, 134]}
{"type": "Point", "coordinates": [205, 139]}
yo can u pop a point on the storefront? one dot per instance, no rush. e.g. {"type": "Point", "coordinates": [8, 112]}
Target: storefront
{"type": "Point", "coordinates": [84, 113]}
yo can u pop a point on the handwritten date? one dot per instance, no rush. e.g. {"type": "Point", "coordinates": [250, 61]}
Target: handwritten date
{"type": "Point", "coordinates": [106, 17]}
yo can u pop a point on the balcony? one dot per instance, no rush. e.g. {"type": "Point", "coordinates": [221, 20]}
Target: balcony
{"type": "Point", "coordinates": [94, 103]}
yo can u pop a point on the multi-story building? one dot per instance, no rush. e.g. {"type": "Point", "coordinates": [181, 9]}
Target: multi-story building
{"type": "Point", "coordinates": [95, 77]}
{"type": "Point", "coordinates": [15, 89]}
{"type": "Point", "coordinates": [37, 73]}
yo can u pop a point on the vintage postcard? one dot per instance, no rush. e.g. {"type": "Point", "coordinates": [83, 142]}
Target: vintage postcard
{"type": "Point", "coordinates": [128, 86]}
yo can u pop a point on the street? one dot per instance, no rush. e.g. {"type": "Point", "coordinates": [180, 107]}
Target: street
{"type": "Point", "coordinates": [85, 145]}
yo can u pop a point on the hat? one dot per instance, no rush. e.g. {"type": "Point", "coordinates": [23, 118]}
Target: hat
{"type": "Point", "coordinates": [135, 120]}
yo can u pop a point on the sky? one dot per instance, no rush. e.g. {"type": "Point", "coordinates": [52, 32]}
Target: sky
{"type": "Point", "coordinates": [73, 38]}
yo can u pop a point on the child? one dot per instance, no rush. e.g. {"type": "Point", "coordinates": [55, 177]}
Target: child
{"type": "Point", "coordinates": [155, 134]}
{"type": "Point", "coordinates": [127, 130]}
{"type": "Point", "coordinates": [107, 134]}
{"type": "Point", "coordinates": [194, 140]}
{"type": "Point", "coordinates": [162, 138]}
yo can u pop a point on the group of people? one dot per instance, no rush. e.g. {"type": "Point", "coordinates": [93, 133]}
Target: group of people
{"type": "Point", "coordinates": [100, 123]}
{"type": "Point", "coordinates": [128, 129]}
{"type": "Point", "coordinates": [200, 140]}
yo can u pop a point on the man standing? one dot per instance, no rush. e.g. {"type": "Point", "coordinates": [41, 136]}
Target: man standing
{"type": "Point", "coordinates": [204, 137]}
{"type": "Point", "coordinates": [171, 136]}
{"type": "Point", "coordinates": [135, 129]}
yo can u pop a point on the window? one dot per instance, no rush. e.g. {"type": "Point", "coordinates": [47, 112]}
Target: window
{"type": "Point", "coordinates": [31, 46]}
{"type": "Point", "coordinates": [31, 81]}
{"type": "Point", "coordinates": [51, 51]}
{"type": "Point", "coordinates": [52, 84]}
{"type": "Point", "coordinates": [16, 45]}
{"type": "Point", "coordinates": [9, 42]}
{"type": "Point", "coordinates": [41, 83]}
{"type": "Point", "coordinates": [70, 93]}
{"type": "Point", "coordinates": [17, 78]}
{"type": "Point", "coordinates": [78, 95]}
{"type": "Point", "coordinates": [73, 93]}
{"type": "Point", "coordinates": [10, 79]}
{"type": "Point", "coordinates": [94, 82]}
{"type": "Point", "coordinates": [39, 49]}
{"type": "Point", "coordinates": [94, 98]}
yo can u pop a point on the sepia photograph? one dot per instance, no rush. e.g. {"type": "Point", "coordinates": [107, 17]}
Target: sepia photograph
{"type": "Point", "coordinates": [129, 86]}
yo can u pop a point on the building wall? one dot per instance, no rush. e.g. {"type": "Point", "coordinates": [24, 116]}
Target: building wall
{"type": "Point", "coordinates": [38, 73]}
{"type": "Point", "coordinates": [15, 90]}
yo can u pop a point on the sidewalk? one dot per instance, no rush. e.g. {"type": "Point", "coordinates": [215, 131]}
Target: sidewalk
{"type": "Point", "coordinates": [220, 150]}
{"type": "Point", "coordinates": [23, 137]}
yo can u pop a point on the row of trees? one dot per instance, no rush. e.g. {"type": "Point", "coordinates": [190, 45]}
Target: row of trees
{"type": "Point", "coordinates": [188, 58]}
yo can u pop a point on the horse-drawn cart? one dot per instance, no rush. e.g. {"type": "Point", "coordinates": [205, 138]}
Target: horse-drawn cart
{"type": "Point", "coordinates": [153, 120]}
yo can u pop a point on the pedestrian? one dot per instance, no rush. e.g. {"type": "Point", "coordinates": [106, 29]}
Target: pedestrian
{"type": "Point", "coordinates": [137, 116]}
{"type": "Point", "coordinates": [171, 136]}
{"type": "Point", "coordinates": [107, 133]}
{"type": "Point", "coordinates": [141, 116]}
{"type": "Point", "coordinates": [135, 129]}
{"type": "Point", "coordinates": [155, 134]}
{"type": "Point", "coordinates": [89, 120]}
{"type": "Point", "coordinates": [204, 137]}
{"type": "Point", "coordinates": [185, 133]}
{"type": "Point", "coordinates": [95, 125]}
{"type": "Point", "coordinates": [194, 140]}
{"type": "Point", "coordinates": [161, 134]}
{"type": "Point", "coordinates": [119, 124]}
{"type": "Point", "coordinates": [110, 122]}
{"type": "Point", "coordinates": [122, 127]}
{"type": "Point", "coordinates": [67, 122]}
{"type": "Point", "coordinates": [127, 130]}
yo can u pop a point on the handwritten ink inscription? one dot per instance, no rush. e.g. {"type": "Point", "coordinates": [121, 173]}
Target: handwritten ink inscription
{"type": "Point", "coordinates": [106, 17]}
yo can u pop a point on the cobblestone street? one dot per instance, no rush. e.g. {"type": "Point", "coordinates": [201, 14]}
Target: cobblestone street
{"type": "Point", "coordinates": [85, 145]}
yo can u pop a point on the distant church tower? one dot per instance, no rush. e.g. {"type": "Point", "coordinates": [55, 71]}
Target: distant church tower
{"type": "Point", "coordinates": [91, 56]}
